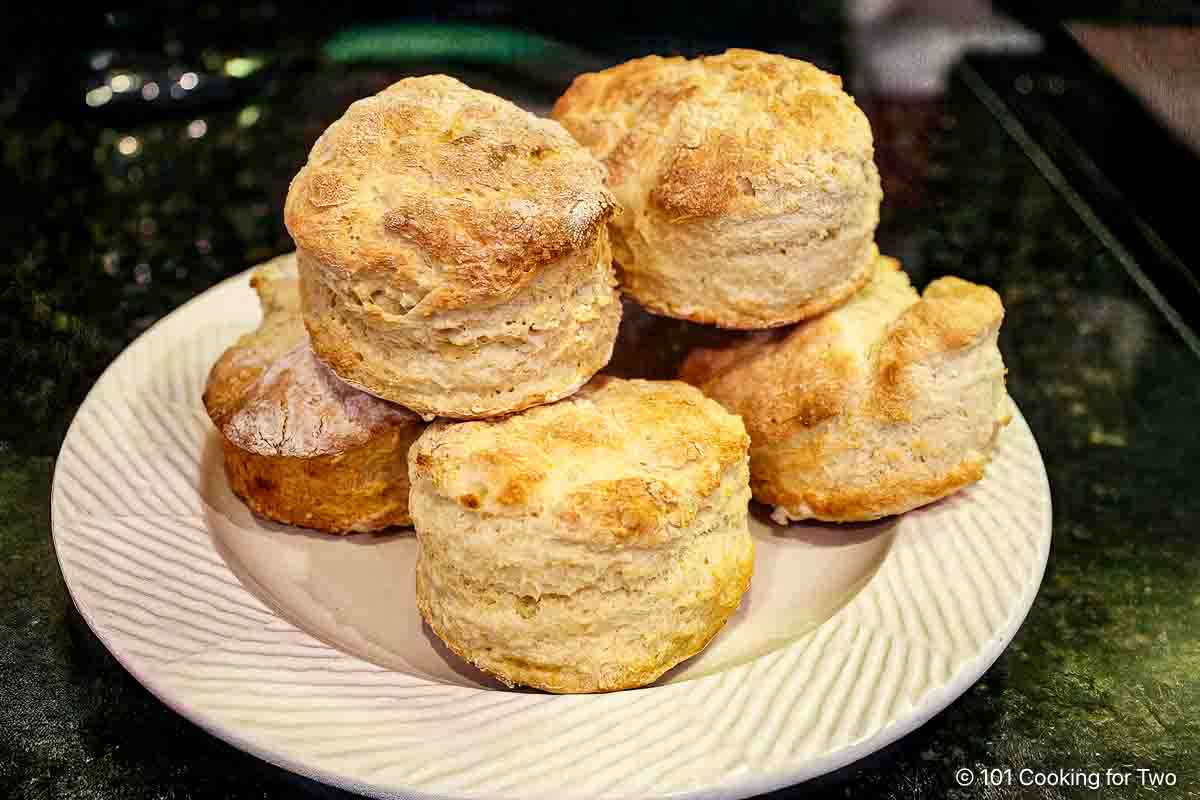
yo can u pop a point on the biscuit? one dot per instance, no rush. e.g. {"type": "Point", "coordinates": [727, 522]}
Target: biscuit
{"type": "Point", "coordinates": [588, 545]}
{"type": "Point", "coordinates": [300, 446]}
{"type": "Point", "coordinates": [748, 184]}
{"type": "Point", "coordinates": [453, 250]}
{"type": "Point", "coordinates": [885, 404]}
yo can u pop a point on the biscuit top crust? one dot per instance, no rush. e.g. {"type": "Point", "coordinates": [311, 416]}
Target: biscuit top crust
{"type": "Point", "coordinates": [620, 462]}
{"type": "Point", "coordinates": [867, 350]}
{"type": "Point", "coordinates": [462, 196]}
{"type": "Point", "coordinates": [269, 394]}
{"type": "Point", "coordinates": [953, 315]}
{"type": "Point", "coordinates": [741, 133]}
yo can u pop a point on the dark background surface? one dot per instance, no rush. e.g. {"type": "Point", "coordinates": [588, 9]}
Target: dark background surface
{"type": "Point", "coordinates": [116, 214]}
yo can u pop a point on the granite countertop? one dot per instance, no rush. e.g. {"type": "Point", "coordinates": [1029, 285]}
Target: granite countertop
{"type": "Point", "coordinates": [116, 223]}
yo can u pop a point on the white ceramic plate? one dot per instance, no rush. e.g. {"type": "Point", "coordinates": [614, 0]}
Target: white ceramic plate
{"type": "Point", "coordinates": [308, 651]}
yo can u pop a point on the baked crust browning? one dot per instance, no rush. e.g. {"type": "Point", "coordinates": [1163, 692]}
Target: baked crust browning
{"type": "Point", "coordinates": [361, 489]}
{"type": "Point", "coordinates": [280, 331]}
{"type": "Point", "coordinates": [589, 545]}
{"type": "Point", "coordinates": [748, 184]}
{"type": "Point", "coordinates": [954, 316]}
{"type": "Point", "coordinates": [454, 253]}
{"type": "Point", "coordinates": [454, 192]}
{"type": "Point", "coordinates": [620, 460]}
{"type": "Point", "coordinates": [716, 123]}
{"type": "Point", "coordinates": [300, 446]}
{"type": "Point", "coordinates": [888, 403]}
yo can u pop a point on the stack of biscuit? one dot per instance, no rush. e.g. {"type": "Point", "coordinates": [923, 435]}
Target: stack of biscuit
{"type": "Point", "coordinates": [751, 199]}
{"type": "Point", "coordinates": [429, 354]}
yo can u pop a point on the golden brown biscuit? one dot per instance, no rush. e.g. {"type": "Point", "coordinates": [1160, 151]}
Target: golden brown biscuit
{"type": "Point", "coordinates": [887, 403]}
{"type": "Point", "coordinates": [748, 184]}
{"type": "Point", "coordinates": [588, 545]}
{"type": "Point", "coordinates": [453, 252]}
{"type": "Point", "coordinates": [300, 446]}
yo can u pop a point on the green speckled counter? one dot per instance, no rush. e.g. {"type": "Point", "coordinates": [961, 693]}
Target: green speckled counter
{"type": "Point", "coordinates": [116, 225]}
